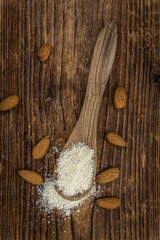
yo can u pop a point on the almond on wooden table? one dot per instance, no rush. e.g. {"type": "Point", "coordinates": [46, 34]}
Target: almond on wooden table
{"type": "Point", "coordinates": [44, 52]}
{"type": "Point", "coordinates": [108, 203]}
{"type": "Point", "coordinates": [108, 175]}
{"type": "Point", "coordinates": [9, 103]}
{"type": "Point", "coordinates": [120, 97]}
{"type": "Point", "coordinates": [31, 176]}
{"type": "Point", "coordinates": [41, 148]}
{"type": "Point", "coordinates": [115, 139]}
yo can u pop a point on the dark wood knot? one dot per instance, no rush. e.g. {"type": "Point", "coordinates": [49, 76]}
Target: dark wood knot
{"type": "Point", "coordinates": [156, 73]}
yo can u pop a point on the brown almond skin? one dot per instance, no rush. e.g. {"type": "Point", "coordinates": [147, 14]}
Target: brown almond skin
{"type": "Point", "coordinates": [120, 97]}
{"type": "Point", "coordinates": [41, 148]}
{"type": "Point", "coordinates": [115, 139]}
{"type": "Point", "coordinates": [31, 176]}
{"type": "Point", "coordinates": [44, 52]}
{"type": "Point", "coordinates": [108, 203]}
{"type": "Point", "coordinates": [9, 103]}
{"type": "Point", "coordinates": [108, 175]}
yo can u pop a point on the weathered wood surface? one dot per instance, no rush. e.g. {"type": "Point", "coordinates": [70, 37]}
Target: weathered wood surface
{"type": "Point", "coordinates": [52, 96]}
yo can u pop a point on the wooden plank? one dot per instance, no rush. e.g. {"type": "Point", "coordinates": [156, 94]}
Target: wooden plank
{"type": "Point", "coordinates": [51, 97]}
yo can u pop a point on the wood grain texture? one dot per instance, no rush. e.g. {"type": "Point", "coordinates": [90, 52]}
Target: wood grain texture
{"type": "Point", "coordinates": [51, 97]}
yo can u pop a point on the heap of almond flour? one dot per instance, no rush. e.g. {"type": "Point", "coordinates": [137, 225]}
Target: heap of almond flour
{"type": "Point", "coordinates": [75, 171]}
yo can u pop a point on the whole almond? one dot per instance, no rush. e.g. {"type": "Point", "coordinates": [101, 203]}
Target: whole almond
{"type": "Point", "coordinates": [108, 175]}
{"type": "Point", "coordinates": [44, 52]}
{"type": "Point", "coordinates": [115, 139]}
{"type": "Point", "coordinates": [31, 176]}
{"type": "Point", "coordinates": [108, 203]}
{"type": "Point", "coordinates": [120, 97]}
{"type": "Point", "coordinates": [41, 148]}
{"type": "Point", "coordinates": [9, 103]}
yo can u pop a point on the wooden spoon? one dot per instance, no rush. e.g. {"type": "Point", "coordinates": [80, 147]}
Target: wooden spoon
{"type": "Point", "coordinates": [85, 130]}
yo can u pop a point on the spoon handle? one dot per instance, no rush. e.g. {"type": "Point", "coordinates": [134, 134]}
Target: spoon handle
{"type": "Point", "coordinates": [102, 61]}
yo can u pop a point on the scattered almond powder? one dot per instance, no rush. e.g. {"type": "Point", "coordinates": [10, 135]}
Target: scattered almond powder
{"type": "Point", "coordinates": [50, 199]}
{"type": "Point", "coordinates": [55, 149]}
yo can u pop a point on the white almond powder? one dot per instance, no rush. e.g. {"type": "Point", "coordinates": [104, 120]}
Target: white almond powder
{"type": "Point", "coordinates": [50, 199]}
{"type": "Point", "coordinates": [75, 170]}
{"type": "Point", "coordinates": [75, 174]}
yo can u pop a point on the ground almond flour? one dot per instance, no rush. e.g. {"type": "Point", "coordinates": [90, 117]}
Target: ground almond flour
{"type": "Point", "coordinates": [75, 174]}
{"type": "Point", "coordinates": [75, 170]}
{"type": "Point", "coordinates": [50, 199]}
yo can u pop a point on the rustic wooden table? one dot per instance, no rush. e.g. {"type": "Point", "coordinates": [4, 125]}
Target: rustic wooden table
{"type": "Point", "coordinates": [51, 97]}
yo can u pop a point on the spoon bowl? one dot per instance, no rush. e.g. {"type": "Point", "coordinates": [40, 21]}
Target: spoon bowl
{"type": "Point", "coordinates": [85, 130]}
{"type": "Point", "coordinates": [67, 146]}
